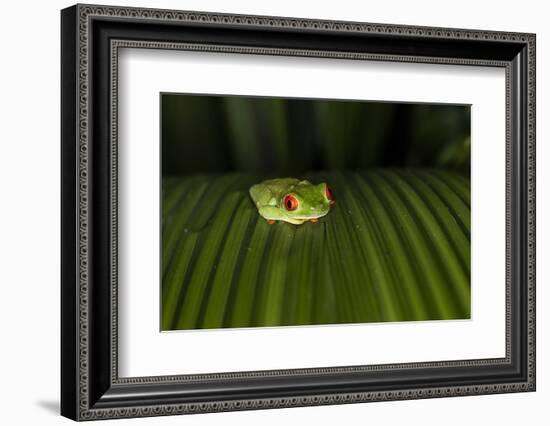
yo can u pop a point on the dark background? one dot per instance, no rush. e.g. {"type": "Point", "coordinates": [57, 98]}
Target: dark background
{"type": "Point", "coordinates": [219, 134]}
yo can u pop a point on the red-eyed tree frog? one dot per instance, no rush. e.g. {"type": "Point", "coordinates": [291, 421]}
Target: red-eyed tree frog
{"type": "Point", "coordinates": [292, 200]}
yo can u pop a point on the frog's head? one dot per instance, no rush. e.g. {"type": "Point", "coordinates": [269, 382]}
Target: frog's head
{"type": "Point", "coordinates": [306, 201]}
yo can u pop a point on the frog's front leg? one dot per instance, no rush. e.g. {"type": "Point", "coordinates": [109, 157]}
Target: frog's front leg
{"type": "Point", "coordinates": [273, 214]}
{"type": "Point", "coordinates": [270, 213]}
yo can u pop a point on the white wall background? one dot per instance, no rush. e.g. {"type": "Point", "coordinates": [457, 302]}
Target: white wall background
{"type": "Point", "coordinates": [29, 211]}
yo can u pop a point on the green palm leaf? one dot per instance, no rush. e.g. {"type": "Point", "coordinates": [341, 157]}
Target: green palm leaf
{"type": "Point", "coordinates": [396, 247]}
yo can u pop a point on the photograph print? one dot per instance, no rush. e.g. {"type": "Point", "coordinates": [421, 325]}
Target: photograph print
{"type": "Point", "coordinates": [300, 212]}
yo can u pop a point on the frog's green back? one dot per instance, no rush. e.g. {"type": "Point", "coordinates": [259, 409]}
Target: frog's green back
{"type": "Point", "coordinates": [259, 194]}
{"type": "Point", "coordinates": [263, 192]}
{"type": "Point", "coordinates": [280, 185]}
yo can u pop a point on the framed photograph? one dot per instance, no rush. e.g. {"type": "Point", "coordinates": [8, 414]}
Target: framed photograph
{"type": "Point", "coordinates": [263, 212]}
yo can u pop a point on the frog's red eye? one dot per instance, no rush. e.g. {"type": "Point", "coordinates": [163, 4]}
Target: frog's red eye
{"type": "Point", "coordinates": [290, 202]}
{"type": "Point", "coordinates": [328, 191]}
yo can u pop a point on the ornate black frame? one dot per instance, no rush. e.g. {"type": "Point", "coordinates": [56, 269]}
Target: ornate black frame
{"type": "Point", "coordinates": [91, 37]}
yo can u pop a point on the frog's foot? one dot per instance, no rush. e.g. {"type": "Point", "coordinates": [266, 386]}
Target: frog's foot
{"type": "Point", "coordinates": [332, 202]}
{"type": "Point", "coordinates": [315, 220]}
{"type": "Point", "coordinates": [271, 221]}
